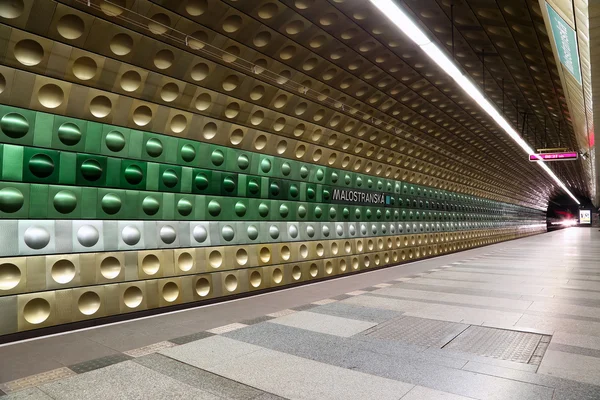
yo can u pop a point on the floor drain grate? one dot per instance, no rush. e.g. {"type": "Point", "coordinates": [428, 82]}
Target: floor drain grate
{"type": "Point", "coordinates": [502, 344]}
{"type": "Point", "coordinates": [417, 331]}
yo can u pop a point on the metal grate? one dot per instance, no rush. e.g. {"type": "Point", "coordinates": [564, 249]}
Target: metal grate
{"type": "Point", "coordinates": [501, 344]}
{"type": "Point", "coordinates": [418, 331]}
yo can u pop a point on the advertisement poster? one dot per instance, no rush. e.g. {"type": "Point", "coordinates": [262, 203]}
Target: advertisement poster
{"type": "Point", "coordinates": [585, 217]}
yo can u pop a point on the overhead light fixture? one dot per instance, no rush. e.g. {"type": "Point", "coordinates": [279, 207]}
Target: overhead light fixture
{"type": "Point", "coordinates": [405, 23]}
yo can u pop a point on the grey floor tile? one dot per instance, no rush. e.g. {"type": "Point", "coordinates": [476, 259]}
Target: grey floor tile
{"type": "Point", "coordinates": [322, 323]}
{"type": "Point", "coordinates": [268, 396]}
{"type": "Point", "coordinates": [69, 349]}
{"type": "Point", "coordinates": [257, 320]}
{"type": "Point", "coordinates": [127, 380]}
{"type": "Point", "coordinates": [423, 393]}
{"type": "Point", "coordinates": [191, 338]}
{"type": "Point", "coordinates": [356, 312]}
{"type": "Point", "coordinates": [211, 351]}
{"type": "Point", "coordinates": [394, 361]}
{"type": "Point", "coordinates": [267, 370]}
{"type": "Point", "coordinates": [199, 378]}
{"type": "Point", "coordinates": [28, 394]}
{"type": "Point", "coordinates": [304, 307]}
{"type": "Point", "coordinates": [97, 363]}
{"type": "Point", "coordinates": [574, 349]}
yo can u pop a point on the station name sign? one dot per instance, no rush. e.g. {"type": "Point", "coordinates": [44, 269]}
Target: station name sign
{"type": "Point", "coordinates": [571, 155]}
{"type": "Point", "coordinates": [359, 197]}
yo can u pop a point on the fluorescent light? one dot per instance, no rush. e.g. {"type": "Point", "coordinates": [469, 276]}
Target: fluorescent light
{"type": "Point", "coordinates": [399, 18]}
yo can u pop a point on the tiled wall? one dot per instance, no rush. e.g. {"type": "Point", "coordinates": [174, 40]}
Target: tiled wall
{"type": "Point", "coordinates": [126, 188]}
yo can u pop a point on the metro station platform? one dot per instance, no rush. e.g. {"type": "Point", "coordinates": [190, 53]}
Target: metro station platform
{"type": "Point", "coordinates": [516, 320]}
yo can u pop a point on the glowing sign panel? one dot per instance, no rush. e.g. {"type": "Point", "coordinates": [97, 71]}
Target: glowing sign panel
{"type": "Point", "coordinates": [585, 217]}
{"type": "Point", "coordinates": [571, 155]}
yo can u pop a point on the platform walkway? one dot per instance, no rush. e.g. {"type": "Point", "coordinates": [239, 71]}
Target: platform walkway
{"type": "Point", "coordinates": [517, 320]}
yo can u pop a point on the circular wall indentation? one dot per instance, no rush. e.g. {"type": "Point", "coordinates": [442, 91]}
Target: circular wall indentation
{"type": "Point", "coordinates": [142, 115]}
{"type": "Point", "coordinates": [202, 287]}
{"type": "Point", "coordinates": [164, 59]}
{"type": "Point", "coordinates": [196, 8]}
{"type": "Point", "coordinates": [115, 141]}
{"type": "Point", "coordinates": [252, 232]}
{"type": "Point", "coordinates": [231, 283]}
{"type": "Point", "coordinates": [131, 235]}
{"type": "Point", "coordinates": [262, 39]}
{"type": "Point", "coordinates": [84, 68]}
{"type": "Point", "coordinates": [227, 233]}
{"type": "Point", "coordinates": [232, 110]}
{"type": "Point", "coordinates": [100, 106]}
{"type": "Point", "coordinates": [265, 255]}
{"type": "Point", "coordinates": [185, 261]}
{"type": "Point", "coordinates": [188, 153]}
{"type": "Point", "coordinates": [50, 95]}
{"type": "Point", "coordinates": [184, 207]}
{"type": "Point", "coordinates": [36, 237]}
{"type": "Point", "coordinates": [241, 256]}
{"type": "Point", "coordinates": [178, 123]}
{"type": "Point", "coordinates": [10, 276]}
{"type": "Point", "coordinates": [89, 303]}
{"type": "Point", "coordinates": [167, 234]}
{"type": "Point", "coordinates": [133, 174]}
{"type": "Point", "coordinates": [169, 92]}
{"type": "Point", "coordinates": [159, 23]}
{"type": "Point", "coordinates": [36, 311]}
{"type": "Point", "coordinates": [91, 170]}
{"type": "Point", "coordinates": [232, 23]}
{"type": "Point", "coordinates": [113, 7]}
{"type": "Point", "coordinates": [209, 131]}
{"type": "Point", "coordinates": [277, 276]}
{"type": "Point", "coordinates": [88, 236]}
{"type": "Point", "coordinates": [133, 296]}
{"type": "Point", "coordinates": [29, 52]}
{"type": "Point", "coordinates": [215, 259]}
{"type": "Point", "coordinates": [169, 178]}
{"type": "Point", "coordinates": [198, 40]}
{"type": "Point", "coordinates": [11, 9]}
{"type": "Point", "coordinates": [255, 279]}
{"type": "Point", "coordinates": [170, 292]}
{"type": "Point", "coordinates": [14, 125]}
{"type": "Point", "coordinates": [131, 81]}
{"type": "Point", "coordinates": [154, 147]}
{"type": "Point", "coordinates": [199, 72]}
{"type": "Point", "coordinates": [111, 203]}
{"type": "Point", "coordinates": [231, 82]}
{"type": "Point", "coordinates": [313, 270]}
{"type": "Point", "coordinates": [236, 138]}
{"type": "Point", "coordinates": [296, 273]}
{"type": "Point", "coordinates": [70, 26]}
{"type": "Point", "coordinates": [69, 134]}
{"type": "Point", "coordinates": [200, 234]}
{"type": "Point", "coordinates": [110, 268]}
{"type": "Point", "coordinates": [11, 200]}
{"type": "Point", "coordinates": [121, 44]}
{"type": "Point", "coordinates": [203, 102]}
{"type": "Point", "coordinates": [150, 205]}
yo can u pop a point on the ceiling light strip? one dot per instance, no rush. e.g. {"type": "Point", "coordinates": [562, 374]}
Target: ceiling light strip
{"type": "Point", "coordinates": [406, 24]}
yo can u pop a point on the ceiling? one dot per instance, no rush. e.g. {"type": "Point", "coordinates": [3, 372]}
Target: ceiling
{"type": "Point", "coordinates": [340, 76]}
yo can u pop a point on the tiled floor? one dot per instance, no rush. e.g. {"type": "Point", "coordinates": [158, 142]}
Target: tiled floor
{"type": "Point", "coordinates": [410, 332]}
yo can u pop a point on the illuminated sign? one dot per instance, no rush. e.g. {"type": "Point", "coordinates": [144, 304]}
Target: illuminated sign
{"type": "Point", "coordinates": [570, 155]}
{"type": "Point", "coordinates": [565, 39]}
{"type": "Point", "coordinates": [359, 197]}
{"type": "Point", "coordinates": [585, 216]}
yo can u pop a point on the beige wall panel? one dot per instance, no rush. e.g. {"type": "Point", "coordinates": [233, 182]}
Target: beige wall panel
{"type": "Point", "coordinates": [36, 310]}
{"type": "Point", "coordinates": [89, 303]}
{"type": "Point", "coordinates": [170, 291]}
{"type": "Point", "coordinates": [14, 275]}
{"type": "Point", "coordinates": [62, 271]}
